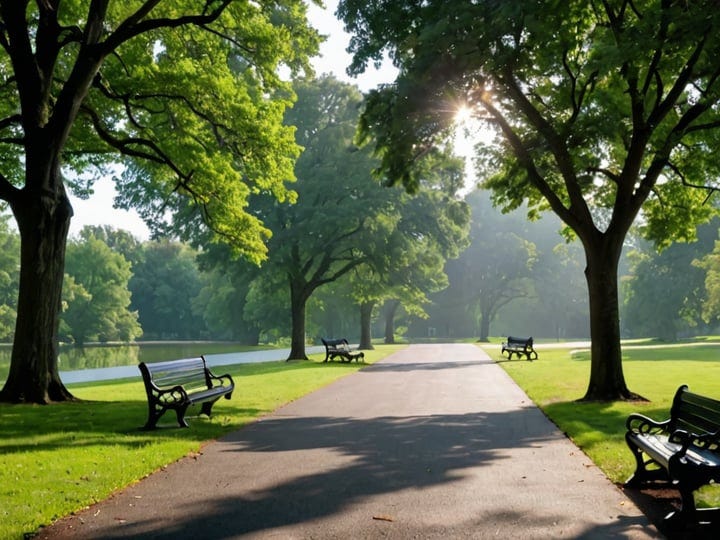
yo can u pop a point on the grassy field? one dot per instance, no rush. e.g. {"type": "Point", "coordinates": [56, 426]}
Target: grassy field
{"type": "Point", "coordinates": [57, 459]}
{"type": "Point", "coordinates": [560, 376]}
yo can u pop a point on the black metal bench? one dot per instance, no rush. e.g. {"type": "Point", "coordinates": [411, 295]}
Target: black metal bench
{"type": "Point", "coordinates": [177, 384]}
{"type": "Point", "coordinates": [519, 346]}
{"type": "Point", "coordinates": [340, 348]}
{"type": "Point", "coordinates": [683, 450]}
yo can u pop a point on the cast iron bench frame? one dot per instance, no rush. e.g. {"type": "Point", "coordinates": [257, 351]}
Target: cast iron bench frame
{"type": "Point", "coordinates": [683, 450]}
{"type": "Point", "coordinates": [520, 346]}
{"type": "Point", "coordinates": [177, 384]}
{"type": "Point", "coordinates": [340, 348]}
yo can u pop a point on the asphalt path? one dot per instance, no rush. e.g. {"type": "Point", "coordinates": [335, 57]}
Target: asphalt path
{"type": "Point", "coordinates": [435, 441]}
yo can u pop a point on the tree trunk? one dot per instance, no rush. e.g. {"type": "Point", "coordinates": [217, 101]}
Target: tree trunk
{"type": "Point", "coordinates": [390, 309]}
{"type": "Point", "coordinates": [43, 221]}
{"type": "Point", "coordinates": [607, 382]}
{"type": "Point", "coordinates": [298, 302]}
{"type": "Point", "coordinates": [365, 325]}
{"type": "Point", "coordinates": [484, 326]}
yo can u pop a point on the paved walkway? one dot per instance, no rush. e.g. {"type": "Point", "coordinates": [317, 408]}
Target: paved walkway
{"type": "Point", "coordinates": [436, 441]}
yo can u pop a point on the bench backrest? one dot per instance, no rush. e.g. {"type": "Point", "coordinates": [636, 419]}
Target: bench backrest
{"type": "Point", "coordinates": [336, 344]}
{"type": "Point", "coordinates": [525, 342]}
{"type": "Point", "coordinates": [694, 413]}
{"type": "Point", "coordinates": [188, 372]}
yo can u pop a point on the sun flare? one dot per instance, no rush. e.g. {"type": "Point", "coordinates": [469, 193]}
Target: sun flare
{"type": "Point", "coordinates": [463, 115]}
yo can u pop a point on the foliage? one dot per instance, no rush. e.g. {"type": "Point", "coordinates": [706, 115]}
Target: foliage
{"type": "Point", "coordinates": [193, 108]}
{"type": "Point", "coordinates": [598, 113]}
{"type": "Point", "coordinates": [96, 297]}
{"type": "Point", "coordinates": [337, 221]}
{"type": "Point", "coordinates": [710, 263]}
{"type": "Point", "coordinates": [424, 231]}
{"type": "Point", "coordinates": [664, 293]}
{"type": "Point", "coordinates": [44, 477]}
{"type": "Point", "coordinates": [519, 269]}
{"type": "Point", "coordinates": [9, 264]}
{"type": "Point", "coordinates": [497, 268]}
{"type": "Point", "coordinates": [187, 95]}
{"type": "Point", "coordinates": [119, 240]}
{"type": "Point", "coordinates": [164, 285]}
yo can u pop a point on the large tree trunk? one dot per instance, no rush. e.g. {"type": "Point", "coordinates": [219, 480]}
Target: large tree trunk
{"type": "Point", "coordinates": [43, 221]}
{"type": "Point", "coordinates": [298, 302]}
{"type": "Point", "coordinates": [365, 325]}
{"type": "Point", "coordinates": [390, 309]}
{"type": "Point", "coordinates": [607, 382]}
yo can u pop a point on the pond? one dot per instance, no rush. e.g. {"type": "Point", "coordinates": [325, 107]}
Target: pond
{"type": "Point", "coordinates": [73, 358]}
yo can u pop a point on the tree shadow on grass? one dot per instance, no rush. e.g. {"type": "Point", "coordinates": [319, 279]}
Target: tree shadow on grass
{"type": "Point", "coordinates": [26, 428]}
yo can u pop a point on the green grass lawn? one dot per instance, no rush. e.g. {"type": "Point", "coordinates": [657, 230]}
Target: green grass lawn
{"type": "Point", "coordinates": [560, 376]}
{"type": "Point", "coordinates": [57, 459]}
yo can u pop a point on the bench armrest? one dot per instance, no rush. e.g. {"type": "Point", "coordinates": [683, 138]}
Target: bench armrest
{"type": "Point", "coordinates": [639, 423]}
{"type": "Point", "coordinates": [687, 439]}
{"type": "Point", "coordinates": [176, 393]}
{"type": "Point", "coordinates": [224, 380]}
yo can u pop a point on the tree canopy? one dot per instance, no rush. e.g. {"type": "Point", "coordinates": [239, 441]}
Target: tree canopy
{"type": "Point", "coordinates": [600, 110]}
{"type": "Point", "coordinates": [186, 95]}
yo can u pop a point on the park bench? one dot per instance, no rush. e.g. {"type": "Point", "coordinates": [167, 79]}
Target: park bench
{"type": "Point", "coordinates": [177, 384]}
{"type": "Point", "coordinates": [683, 450]}
{"type": "Point", "coordinates": [335, 348]}
{"type": "Point", "coordinates": [519, 346]}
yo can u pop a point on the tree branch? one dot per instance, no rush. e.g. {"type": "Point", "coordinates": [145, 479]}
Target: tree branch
{"type": "Point", "coordinates": [135, 23]}
{"type": "Point", "coordinates": [8, 192]}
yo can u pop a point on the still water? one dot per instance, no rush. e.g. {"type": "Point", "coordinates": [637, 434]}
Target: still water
{"type": "Point", "coordinates": [99, 362]}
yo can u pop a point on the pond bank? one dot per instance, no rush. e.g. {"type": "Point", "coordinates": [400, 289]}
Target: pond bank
{"type": "Point", "coordinates": [224, 359]}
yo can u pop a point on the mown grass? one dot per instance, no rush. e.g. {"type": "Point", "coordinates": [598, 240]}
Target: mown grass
{"type": "Point", "coordinates": [560, 376]}
{"type": "Point", "coordinates": [57, 459]}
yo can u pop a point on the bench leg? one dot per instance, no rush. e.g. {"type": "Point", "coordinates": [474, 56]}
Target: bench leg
{"type": "Point", "coordinates": [180, 413]}
{"type": "Point", "coordinates": [154, 414]}
{"type": "Point", "coordinates": [687, 513]}
{"type": "Point", "coordinates": [642, 474]}
{"type": "Point", "coordinates": [206, 407]}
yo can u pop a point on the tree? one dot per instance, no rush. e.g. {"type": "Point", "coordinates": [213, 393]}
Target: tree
{"type": "Point", "coordinates": [164, 286]}
{"type": "Point", "coordinates": [664, 292]}
{"type": "Point", "coordinates": [337, 217]}
{"type": "Point", "coordinates": [97, 298]}
{"type": "Point", "coordinates": [497, 267]}
{"type": "Point", "coordinates": [186, 94]}
{"type": "Point", "coordinates": [710, 264]}
{"type": "Point", "coordinates": [600, 109]}
{"type": "Point", "coordinates": [426, 229]}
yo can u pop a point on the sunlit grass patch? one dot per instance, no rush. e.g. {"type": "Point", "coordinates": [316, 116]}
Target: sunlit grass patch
{"type": "Point", "coordinates": [560, 376]}
{"type": "Point", "coordinates": [57, 459]}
